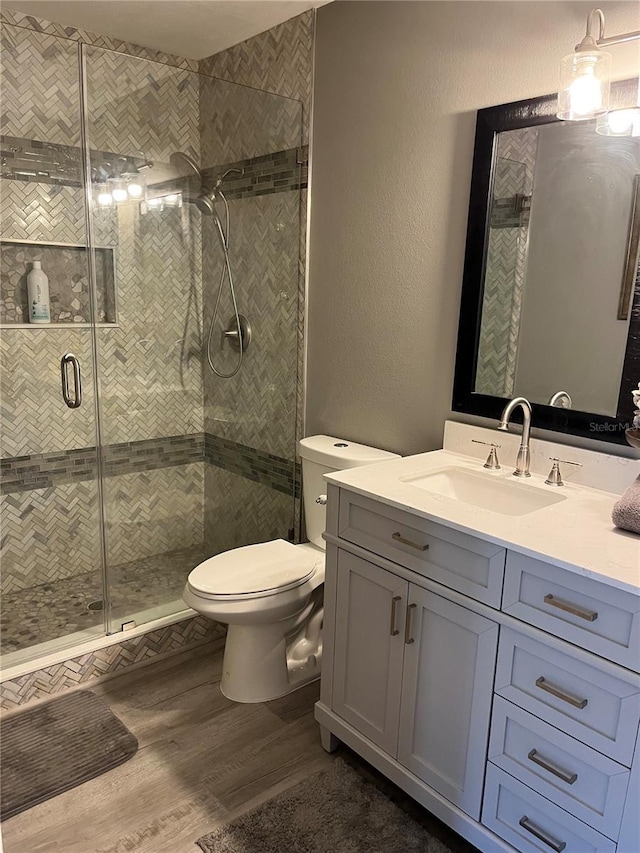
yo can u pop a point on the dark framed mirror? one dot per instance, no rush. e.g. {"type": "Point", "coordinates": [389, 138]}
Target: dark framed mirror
{"type": "Point", "coordinates": [550, 305]}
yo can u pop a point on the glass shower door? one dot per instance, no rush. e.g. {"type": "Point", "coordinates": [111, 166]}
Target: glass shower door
{"type": "Point", "coordinates": [194, 464]}
{"type": "Point", "coordinates": [51, 553]}
{"type": "Point", "coordinates": [138, 113]}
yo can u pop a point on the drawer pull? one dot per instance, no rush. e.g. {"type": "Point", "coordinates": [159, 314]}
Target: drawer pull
{"type": "Point", "coordinates": [394, 609]}
{"type": "Point", "coordinates": [543, 684]}
{"type": "Point", "coordinates": [565, 775]}
{"type": "Point", "coordinates": [547, 839]}
{"type": "Point", "coordinates": [589, 615]}
{"type": "Point", "coordinates": [400, 538]}
{"type": "Point", "coordinates": [407, 625]}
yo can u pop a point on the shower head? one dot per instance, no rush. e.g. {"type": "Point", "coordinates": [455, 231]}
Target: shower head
{"type": "Point", "coordinates": [205, 199]}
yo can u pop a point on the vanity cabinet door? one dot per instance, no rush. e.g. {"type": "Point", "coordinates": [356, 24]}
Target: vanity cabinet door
{"type": "Point", "coordinates": [449, 664]}
{"type": "Point", "coordinates": [369, 646]}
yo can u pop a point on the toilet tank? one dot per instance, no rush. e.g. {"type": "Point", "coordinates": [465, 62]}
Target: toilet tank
{"type": "Point", "coordinates": [321, 454]}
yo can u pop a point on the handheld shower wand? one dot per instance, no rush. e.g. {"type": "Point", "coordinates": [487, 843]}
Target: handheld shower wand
{"type": "Point", "coordinates": [240, 336]}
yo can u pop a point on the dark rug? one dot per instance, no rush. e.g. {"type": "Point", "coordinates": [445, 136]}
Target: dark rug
{"type": "Point", "coordinates": [53, 747]}
{"type": "Point", "coordinates": [335, 810]}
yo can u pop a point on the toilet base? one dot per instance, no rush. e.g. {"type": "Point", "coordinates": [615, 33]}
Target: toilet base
{"type": "Point", "coordinates": [261, 664]}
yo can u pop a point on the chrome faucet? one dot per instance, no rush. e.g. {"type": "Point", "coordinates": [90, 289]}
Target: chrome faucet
{"type": "Point", "coordinates": [524, 454]}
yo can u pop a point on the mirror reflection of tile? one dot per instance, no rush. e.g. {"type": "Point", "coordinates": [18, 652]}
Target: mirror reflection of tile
{"type": "Point", "coordinates": [67, 269]}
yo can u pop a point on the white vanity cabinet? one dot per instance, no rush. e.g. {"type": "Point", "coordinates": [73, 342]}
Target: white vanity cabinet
{"type": "Point", "coordinates": [396, 646]}
{"type": "Point", "coordinates": [497, 690]}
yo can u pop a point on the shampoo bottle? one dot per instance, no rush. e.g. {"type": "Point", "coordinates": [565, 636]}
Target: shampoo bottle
{"type": "Point", "coordinates": [38, 293]}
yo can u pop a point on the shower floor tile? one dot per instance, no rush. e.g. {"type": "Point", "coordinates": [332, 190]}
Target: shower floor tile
{"type": "Point", "coordinates": [48, 611]}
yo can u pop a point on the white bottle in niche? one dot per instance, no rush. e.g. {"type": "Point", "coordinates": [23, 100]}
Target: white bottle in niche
{"type": "Point", "coordinates": [38, 293]}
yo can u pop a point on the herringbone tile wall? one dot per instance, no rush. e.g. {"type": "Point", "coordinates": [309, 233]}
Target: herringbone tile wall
{"type": "Point", "coordinates": [44, 103]}
{"type": "Point", "coordinates": [279, 60]}
{"type": "Point", "coordinates": [137, 106]}
{"type": "Point", "coordinates": [151, 363]}
{"type": "Point", "coordinates": [240, 512]}
{"type": "Point", "coordinates": [258, 406]}
{"type": "Point", "coordinates": [49, 534]}
{"type": "Point", "coordinates": [154, 511]}
{"type": "Point", "coordinates": [64, 31]}
{"type": "Point", "coordinates": [237, 122]}
{"type": "Point", "coordinates": [150, 368]}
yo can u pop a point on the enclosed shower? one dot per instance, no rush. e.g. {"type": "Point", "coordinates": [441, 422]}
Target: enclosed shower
{"type": "Point", "coordinates": [152, 422]}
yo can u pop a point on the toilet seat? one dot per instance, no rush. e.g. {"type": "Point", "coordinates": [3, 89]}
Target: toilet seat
{"type": "Point", "coordinates": [254, 571]}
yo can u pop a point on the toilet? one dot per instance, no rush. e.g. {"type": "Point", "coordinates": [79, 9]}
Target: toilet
{"type": "Point", "coordinates": [271, 595]}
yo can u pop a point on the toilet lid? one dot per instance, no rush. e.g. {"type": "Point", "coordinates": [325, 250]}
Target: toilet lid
{"type": "Point", "coordinates": [254, 569]}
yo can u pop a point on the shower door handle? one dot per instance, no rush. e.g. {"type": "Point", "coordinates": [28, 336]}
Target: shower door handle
{"type": "Point", "coordinates": [66, 360]}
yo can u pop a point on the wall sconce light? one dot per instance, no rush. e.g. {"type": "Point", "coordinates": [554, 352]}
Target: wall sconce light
{"type": "Point", "coordinates": [135, 189]}
{"type": "Point", "coordinates": [105, 199]}
{"type": "Point", "coordinates": [119, 192]}
{"type": "Point", "coordinates": [619, 123]}
{"type": "Point", "coordinates": [583, 92]}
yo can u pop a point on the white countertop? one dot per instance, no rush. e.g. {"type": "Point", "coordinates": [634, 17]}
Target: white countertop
{"type": "Point", "coordinates": [576, 533]}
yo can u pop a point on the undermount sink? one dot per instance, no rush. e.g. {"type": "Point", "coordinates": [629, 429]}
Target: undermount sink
{"type": "Point", "coordinates": [506, 497]}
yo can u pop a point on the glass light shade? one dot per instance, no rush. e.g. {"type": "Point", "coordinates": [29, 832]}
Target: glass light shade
{"type": "Point", "coordinates": [135, 189]}
{"type": "Point", "coordinates": [619, 123]}
{"type": "Point", "coordinates": [584, 85]}
{"type": "Point", "coordinates": [119, 193]}
{"type": "Point", "coordinates": [105, 198]}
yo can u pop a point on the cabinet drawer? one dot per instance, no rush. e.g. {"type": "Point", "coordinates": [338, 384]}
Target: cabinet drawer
{"type": "Point", "coordinates": [575, 777]}
{"type": "Point", "coordinates": [586, 612]}
{"type": "Point", "coordinates": [583, 699]}
{"type": "Point", "coordinates": [532, 823]}
{"type": "Point", "coordinates": [461, 562]}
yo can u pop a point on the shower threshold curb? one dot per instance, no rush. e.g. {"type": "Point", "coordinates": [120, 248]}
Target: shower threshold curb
{"type": "Point", "coordinates": [86, 646]}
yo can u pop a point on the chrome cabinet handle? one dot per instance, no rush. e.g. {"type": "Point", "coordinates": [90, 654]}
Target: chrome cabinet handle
{"type": "Point", "coordinates": [565, 775]}
{"type": "Point", "coordinates": [407, 625]}
{"type": "Point", "coordinates": [400, 538]}
{"type": "Point", "coordinates": [394, 609]}
{"type": "Point", "coordinates": [543, 684]}
{"type": "Point", "coordinates": [547, 839]}
{"type": "Point", "coordinates": [574, 609]}
{"type": "Point", "coordinates": [76, 401]}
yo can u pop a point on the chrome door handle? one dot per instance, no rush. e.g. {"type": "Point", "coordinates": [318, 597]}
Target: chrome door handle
{"type": "Point", "coordinates": [407, 625]}
{"type": "Point", "coordinates": [547, 839]}
{"type": "Point", "coordinates": [75, 401]}
{"type": "Point", "coordinates": [400, 538]}
{"type": "Point", "coordinates": [565, 775]}
{"type": "Point", "coordinates": [543, 684]}
{"type": "Point", "coordinates": [568, 607]}
{"type": "Point", "coordinates": [394, 610]}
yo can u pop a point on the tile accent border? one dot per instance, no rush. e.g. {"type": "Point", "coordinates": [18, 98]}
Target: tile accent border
{"type": "Point", "coordinates": [46, 470]}
{"type": "Point", "coordinates": [107, 662]}
{"type": "Point", "coordinates": [265, 468]}
{"type": "Point", "coordinates": [280, 171]}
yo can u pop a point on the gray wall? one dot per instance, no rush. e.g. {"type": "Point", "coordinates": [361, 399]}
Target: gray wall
{"type": "Point", "coordinates": [397, 87]}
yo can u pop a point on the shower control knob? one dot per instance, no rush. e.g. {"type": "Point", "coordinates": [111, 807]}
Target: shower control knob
{"type": "Point", "coordinates": [322, 500]}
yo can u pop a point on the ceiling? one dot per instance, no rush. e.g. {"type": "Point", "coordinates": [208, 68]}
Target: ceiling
{"type": "Point", "coordinates": [191, 28]}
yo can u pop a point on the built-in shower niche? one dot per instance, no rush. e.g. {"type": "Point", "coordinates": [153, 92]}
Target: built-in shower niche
{"type": "Point", "coordinates": [66, 266]}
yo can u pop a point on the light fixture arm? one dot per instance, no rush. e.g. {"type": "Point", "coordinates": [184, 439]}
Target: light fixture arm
{"type": "Point", "coordinates": [589, 41]}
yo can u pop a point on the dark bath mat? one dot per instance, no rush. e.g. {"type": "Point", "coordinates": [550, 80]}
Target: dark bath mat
{"type": "Point", "coordinates": [48, 749]}
{"type": "Point", "coordinates": [335, 811]}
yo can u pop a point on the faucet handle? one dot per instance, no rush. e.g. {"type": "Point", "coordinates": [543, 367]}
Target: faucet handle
{"type": "Point", "coordinates": [492, 459]}
{"type": "Point", "coordinates": [555, 476]}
